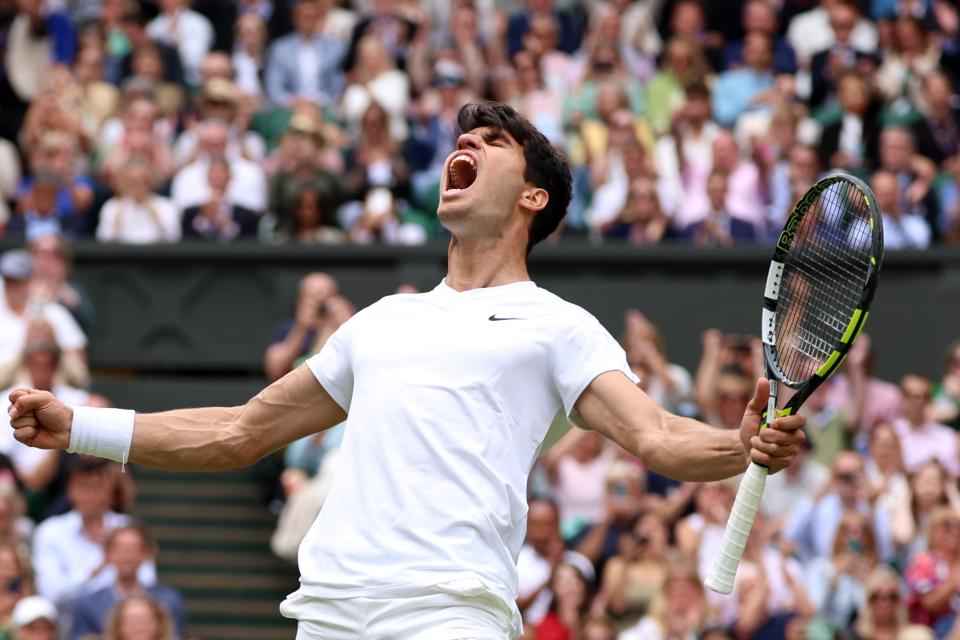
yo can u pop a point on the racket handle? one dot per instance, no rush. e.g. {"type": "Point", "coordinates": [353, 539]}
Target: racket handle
{"type": "Point", "coordinates": [738, 529]}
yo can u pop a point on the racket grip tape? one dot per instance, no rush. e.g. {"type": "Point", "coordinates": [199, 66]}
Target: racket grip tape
{"type": "Point", "coordinates": [738, 528]}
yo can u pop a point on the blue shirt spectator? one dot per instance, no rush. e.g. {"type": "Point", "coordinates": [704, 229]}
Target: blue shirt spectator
{"type": "Point", "coordinates": [305, 64]}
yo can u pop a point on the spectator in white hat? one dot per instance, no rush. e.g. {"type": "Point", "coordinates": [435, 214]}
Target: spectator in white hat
{"type": "Point", "coordinates": [34, 618]}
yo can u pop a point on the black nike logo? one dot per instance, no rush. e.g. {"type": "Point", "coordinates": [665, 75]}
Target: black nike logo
{"type": "Point", "coordinates": [494, 318]}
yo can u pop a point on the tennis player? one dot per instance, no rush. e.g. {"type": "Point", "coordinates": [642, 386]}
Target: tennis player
{"type": "Point", "coordinates": [448, 396]}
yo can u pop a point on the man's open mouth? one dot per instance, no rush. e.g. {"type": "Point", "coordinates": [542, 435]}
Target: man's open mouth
{"type": "Point", "coordinates": [462, 173]}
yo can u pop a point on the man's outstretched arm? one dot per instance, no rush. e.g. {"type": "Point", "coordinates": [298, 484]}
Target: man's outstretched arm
{"type": "Point", "coordinates": [683, 448]}
{"type": "Point", "coordinates": [206, 439]}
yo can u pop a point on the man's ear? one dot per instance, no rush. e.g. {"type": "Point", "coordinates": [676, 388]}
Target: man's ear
{"type": "Point", "coordinates": [534, 199]}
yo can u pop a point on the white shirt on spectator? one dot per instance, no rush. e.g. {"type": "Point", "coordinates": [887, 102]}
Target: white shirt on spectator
{"type": "Point", "coordinates": [929, 441]}
{"type": "Point", "coordinates": [783, 490]}
{"type": "Point", "coordinates": [810, 33]}
{"type": "Point", "coordinates": [444, 400]}
{"type": "Point", "coordinates": [64, 558]}
{"type": "Point", "coordinates": [909, 231]}
{"type": "Point", "coordinates": [247, 188]}
{"type": "Point", "coordinates": [249, 144]}
{"type": "Point", "coordinates": [26, 459]}
{"type": "Point", "coordinates": [390, 89]}
{"type": "Point", "coordinates": [130, 222]}
{"type": "Point", "coordinates": [13, 328]}
{"type": "Point", "coordinates": [246, 71]}
{"type": "Point", "coordinates": [534, 570]}
{"type": "Point", "coordinates": [192, 35]}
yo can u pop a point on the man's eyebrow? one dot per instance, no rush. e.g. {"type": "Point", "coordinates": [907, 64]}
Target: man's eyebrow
{"type": "Point", "coordinates": [493, 135]}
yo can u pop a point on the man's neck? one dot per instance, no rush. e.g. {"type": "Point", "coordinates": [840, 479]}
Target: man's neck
{"type": "Point", "coordinates": [129, 585]}
{"type": "Point", "coordinates": [485, 263]}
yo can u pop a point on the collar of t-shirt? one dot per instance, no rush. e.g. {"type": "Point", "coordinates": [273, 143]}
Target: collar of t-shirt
{"type": "Point", "coordinates": [444, 289]}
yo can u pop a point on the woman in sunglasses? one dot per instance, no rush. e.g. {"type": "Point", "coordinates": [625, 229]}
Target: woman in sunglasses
{"type": "Point", "coordinates": [883, 614]}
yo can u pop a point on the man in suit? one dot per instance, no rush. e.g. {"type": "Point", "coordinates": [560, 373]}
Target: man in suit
{"type": "Point", "coordinates": [827, 65]}
{"type": "Point", "coordinates": [218, 219]}
{"type": "Point", "coordinates": [305, 64]}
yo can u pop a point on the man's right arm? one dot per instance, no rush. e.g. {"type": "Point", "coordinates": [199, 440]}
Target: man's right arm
{"type": "Point", "coordinates": [206, 439]}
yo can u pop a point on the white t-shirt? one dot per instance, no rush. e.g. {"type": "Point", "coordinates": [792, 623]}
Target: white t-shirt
{"type": "Point", "coordinates": [125, 220]}
{"type": "Point", "coordinates": [13, 328]}
{"type": "Point", "coordinates": [449, 395]}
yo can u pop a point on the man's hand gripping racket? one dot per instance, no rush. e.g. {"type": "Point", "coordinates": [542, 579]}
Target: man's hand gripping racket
{"type": "Point", "coordinates": [817, 298]}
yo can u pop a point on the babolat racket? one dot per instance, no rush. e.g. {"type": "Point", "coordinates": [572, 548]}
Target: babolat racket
{"type": "Point", "coordinates": [816, 300]}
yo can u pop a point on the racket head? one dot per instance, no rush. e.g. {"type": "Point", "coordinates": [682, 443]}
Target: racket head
{"type": "Point", "coordinates": [821, 283]}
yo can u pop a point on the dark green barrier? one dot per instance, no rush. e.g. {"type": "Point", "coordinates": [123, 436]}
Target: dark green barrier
{"type": "Point", "coordinates": [210, 309]}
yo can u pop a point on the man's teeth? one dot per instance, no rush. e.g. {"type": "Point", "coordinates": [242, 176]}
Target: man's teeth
{"type": "Point", "coordinates": [454, 178]}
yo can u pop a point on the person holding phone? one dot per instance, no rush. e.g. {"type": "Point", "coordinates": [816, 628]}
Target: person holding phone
{"type": "Point", "coordinates": [837, 585]}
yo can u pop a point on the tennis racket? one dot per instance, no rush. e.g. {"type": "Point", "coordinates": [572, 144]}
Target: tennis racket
{"type": "Point", "coordinates": [817, 298]}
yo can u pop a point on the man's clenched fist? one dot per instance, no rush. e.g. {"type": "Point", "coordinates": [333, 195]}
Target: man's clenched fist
{"type": "Point", "coordinates": [39, 419]}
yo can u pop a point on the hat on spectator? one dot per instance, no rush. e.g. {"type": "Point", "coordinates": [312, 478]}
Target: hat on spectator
{"type": "Point", "coordinates": [447, 73]}
{"type": "Point", "coordinates": [302, 123]}
{"type": "Point", "coordinates": [31, 609]}
{"type": "Point", "coordinates": [16, 265]}
{"type": "Point", "coordinates": [220, 90]}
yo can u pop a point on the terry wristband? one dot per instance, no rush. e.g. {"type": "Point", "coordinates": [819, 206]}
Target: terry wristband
{"type": "Point", "coordinates": [105, 433]}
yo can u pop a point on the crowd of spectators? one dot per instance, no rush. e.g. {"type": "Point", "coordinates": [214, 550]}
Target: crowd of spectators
{"type": "Point", "coordinates": [319, 121]}
{"type": "Point", "coordinates": [858, 540]}
{"type": "Point", "coordinates": [74, 564]}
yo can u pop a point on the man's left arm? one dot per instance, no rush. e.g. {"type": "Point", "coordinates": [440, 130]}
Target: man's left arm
{"type": "Point", "coordinates": [683, 448]}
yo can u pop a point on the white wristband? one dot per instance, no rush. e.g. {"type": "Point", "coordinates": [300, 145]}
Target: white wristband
{"type": "Point", "coordinates": [105, 433]}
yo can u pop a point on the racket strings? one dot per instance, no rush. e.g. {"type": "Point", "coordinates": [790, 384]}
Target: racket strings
{"type": "Point", "coordinates": [825, 272]}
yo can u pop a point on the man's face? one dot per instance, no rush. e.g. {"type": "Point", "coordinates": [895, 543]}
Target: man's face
{"type": "Point", "coordinates": [16, 292]}
{"type": "Point", "coordinates": [757, 52]}
{"type": "Point", "coordinates": [40, 368]}
{"type": "Point", "coordinates": [896, 149]}
{"type": "Point", "coordinates": [848, 474]}
{"type": "Point", "coordinates": [803, 163]}
{"type": "Point", "coordinates": [126, 552]}
{"type": "Point", "coordinates": [887, 193]}
{"type": "Point", "coordinates": [758, 16]}
{"type": "Point", "coordinates": [842, 21]}
{"type": "Point", "coordinates": [543, 525]}
{"type": "Point", "coordinates": [213, 140]}
{"type": "Point", "coordinates": [88, 493]}
{"type": "Point", "coordinates": [482, 182]}
{"type": "Point", "coordinates": [914, 397]}
{"type": "Point", "coordinates": [305, 18]}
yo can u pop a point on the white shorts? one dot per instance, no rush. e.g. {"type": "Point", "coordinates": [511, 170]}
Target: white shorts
{"type": "Point", "coordinates": [438, 616]}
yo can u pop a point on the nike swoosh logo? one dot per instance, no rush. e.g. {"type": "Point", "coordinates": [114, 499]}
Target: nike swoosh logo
{"type": "Point", "coordinates": [494, 318]}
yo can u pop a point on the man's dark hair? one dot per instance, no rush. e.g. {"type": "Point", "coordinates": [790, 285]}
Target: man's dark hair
{"type": "Point", "coordinates": [546, 167]}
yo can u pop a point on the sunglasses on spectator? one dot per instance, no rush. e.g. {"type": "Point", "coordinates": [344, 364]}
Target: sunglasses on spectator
{"type": "Point", "coordinates": [884, 596]}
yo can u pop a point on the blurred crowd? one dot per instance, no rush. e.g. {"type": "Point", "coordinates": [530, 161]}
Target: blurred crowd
{"type": "Point", "coordinates": [74, 564]}
{"type": "Point", "coordinates": [317, 121]}
{"type": "Point", "coordinates": [858, 539]}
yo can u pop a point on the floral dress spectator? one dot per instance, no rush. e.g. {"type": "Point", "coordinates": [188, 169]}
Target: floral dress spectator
{"type": "Point", "coordinates": [933, 581]}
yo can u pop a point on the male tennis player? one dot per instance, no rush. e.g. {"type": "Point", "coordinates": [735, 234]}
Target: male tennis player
{"type": "Point", "coordinates": [447, 396]}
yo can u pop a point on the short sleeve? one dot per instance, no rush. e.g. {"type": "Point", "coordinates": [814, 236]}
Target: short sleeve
{"type": "Point", "coordinates": [581, 353]}
{"type": "Point", "coordinates": [333, 367]}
